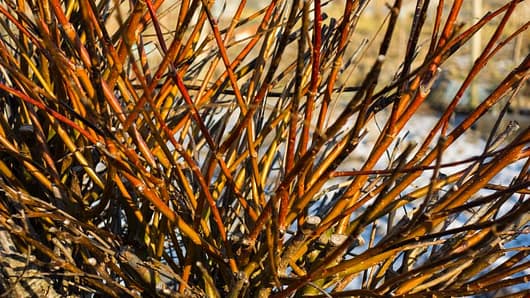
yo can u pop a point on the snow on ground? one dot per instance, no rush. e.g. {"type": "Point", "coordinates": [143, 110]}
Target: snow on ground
{"type": "Point", "coordinates": [471, 144]}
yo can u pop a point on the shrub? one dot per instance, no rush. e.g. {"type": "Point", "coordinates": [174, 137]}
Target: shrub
{"type": "Point", "coordinates": [147, 154]}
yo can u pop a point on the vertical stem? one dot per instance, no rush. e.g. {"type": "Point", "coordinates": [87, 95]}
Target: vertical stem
{"type": "Point", "coordinates": [476, 42]}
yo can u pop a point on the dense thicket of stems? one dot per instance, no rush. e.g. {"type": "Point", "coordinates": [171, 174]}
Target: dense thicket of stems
{"type": "Point", "coordinates": [178, 148]}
